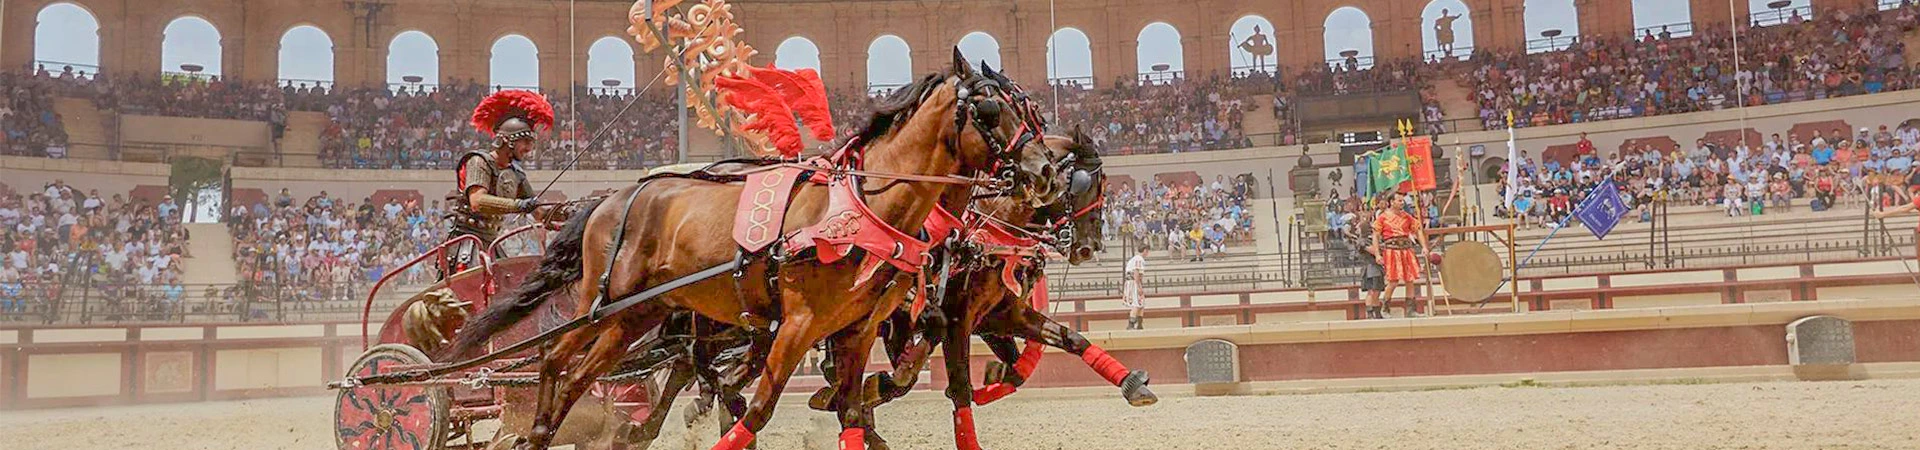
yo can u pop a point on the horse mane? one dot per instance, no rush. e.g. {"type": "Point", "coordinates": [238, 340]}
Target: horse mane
{"type": "Point", "coordinates": [890, 111]}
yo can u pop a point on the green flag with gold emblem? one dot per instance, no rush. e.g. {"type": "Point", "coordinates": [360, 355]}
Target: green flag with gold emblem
{"type": "Point", "coordinates": [1389, 167]}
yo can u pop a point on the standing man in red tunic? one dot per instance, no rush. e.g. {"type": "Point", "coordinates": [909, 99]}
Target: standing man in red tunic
{"type": "Point", "coordinates": [1396, 235]}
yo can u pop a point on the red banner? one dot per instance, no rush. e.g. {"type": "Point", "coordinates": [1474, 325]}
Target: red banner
{"type": "Point", "coordinates": [1420, 161]}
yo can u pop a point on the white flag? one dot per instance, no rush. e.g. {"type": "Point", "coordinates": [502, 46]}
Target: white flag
{"type": "Point", "coordinates": [1513, 164]}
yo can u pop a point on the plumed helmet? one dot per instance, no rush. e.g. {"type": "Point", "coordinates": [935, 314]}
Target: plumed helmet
{"type": "Point", "coordinates": [513, 115]}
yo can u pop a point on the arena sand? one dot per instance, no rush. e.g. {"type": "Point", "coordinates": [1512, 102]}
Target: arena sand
{"type": "Point", "coordinates": [1882, 414]}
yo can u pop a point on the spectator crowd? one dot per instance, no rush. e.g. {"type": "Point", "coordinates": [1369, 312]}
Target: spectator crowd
{"type": "Point", "coordinates": [127, 251]}
{"type": "Point", "coordinates": [1191, 220]}
{"type": "Point", "coordinates": [1821, 170]}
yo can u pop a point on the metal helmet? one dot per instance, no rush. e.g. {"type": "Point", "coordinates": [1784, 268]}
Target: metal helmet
{"type": "Point", "coordinates": [512, 129]}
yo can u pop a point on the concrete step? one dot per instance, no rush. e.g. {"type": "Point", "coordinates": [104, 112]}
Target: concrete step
{"type": "Point", "coordinates": [300, 145]}
{"type": "Point", "coordinates": [210, 260]}
{"type": "Point", "coordinates": [86, 127]}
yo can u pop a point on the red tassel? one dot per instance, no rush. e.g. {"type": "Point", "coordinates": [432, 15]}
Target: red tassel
{"type": "Point", "coordinates": [992, 393]}
{"type": "Point", "coordinates": [736, 438]}
{"type": "Point", "coordinates": [1104, 364]}
{"type": "Point", "coordinates": [963, 435]}
{"type": "Point", "coordinates": [853, 439]}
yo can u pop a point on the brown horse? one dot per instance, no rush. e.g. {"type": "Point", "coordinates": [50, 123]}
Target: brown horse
{"type": "Point", "coordinates": [678, 362]}
{"type": "Point", "coordinates": [981, 300]}
{"type": "Point", "coordinates": [948, 124]}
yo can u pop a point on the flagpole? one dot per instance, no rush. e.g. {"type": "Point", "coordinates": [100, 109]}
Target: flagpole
{"type": "Point", "coordinates": [1513, 213]}
{"type": "Point", "coordinates": [1563, 224]}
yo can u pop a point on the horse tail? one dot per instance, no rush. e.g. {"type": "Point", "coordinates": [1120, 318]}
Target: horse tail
{"type": "Point", "coordinates": [558, 270]}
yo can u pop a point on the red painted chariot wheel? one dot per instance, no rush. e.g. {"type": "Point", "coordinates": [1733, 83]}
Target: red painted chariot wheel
{"type": "Point", "coordinates": [390, 417]}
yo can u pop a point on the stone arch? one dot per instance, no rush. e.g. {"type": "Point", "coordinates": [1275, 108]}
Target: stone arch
{"type": "Point", "coordinates": [67, 35]}
{"type": "Point", "coordinates": [1446, 30]}
{"type": "Point", "coordinates": [1349, 29]}
{"type": "Point", "coordinates": [1247, 53]}
{"type": "Point", "coordinates": [413, 53]}
{"type": "Point", "coordinates": [797, 52]}
{"type": "Point", "coordinates": [306, 57]}
{"type": "Point", "coordinates": [1543, 17]}
{"type": "Point", "coordinates": [191, 40]}
{"type": "Point", "coordinates": [1159, 57]}
{"type": "Point", "coordinates": [611, 58]}
{"type": "Point", "coordinates": [514, 63]}
{"type": "Point", "coordinates": [980, 47]}
{"type": "Point", "coordinates": [1070, 58]}
{"type": "Point", "coordinates": [889, 63]}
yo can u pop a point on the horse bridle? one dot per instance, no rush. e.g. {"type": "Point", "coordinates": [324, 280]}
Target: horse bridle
{"type": "Point", "coordinates": [981, 113]}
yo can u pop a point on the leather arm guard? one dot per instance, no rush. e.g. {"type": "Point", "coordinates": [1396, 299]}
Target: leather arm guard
{"type": "Point", "coordinates": [494, 204]}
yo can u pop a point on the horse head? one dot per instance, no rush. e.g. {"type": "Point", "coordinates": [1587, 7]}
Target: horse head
{"type": "Point", "coordinates": [1006, 126]}
{"type": "Point", "coordinates": [1078, 214]}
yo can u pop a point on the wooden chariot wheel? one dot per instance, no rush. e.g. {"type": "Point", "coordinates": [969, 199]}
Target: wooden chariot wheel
{"type": "Point", "coordinates": [391, 417]}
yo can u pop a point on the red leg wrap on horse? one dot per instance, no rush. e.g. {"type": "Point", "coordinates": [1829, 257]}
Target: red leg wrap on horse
{"type": "Point", "coordinates": [992, 393]}
{"type": "Point", "coordinates": [736, 438]}
{"type": "Point", "coordinates": [1104, 364]}
{"type": "Point", "coordinates": [1029, 359]}
{"type": "Point", "coordinates": [853, 439]}
{"type": "Point", "coordinates": [963, 436]}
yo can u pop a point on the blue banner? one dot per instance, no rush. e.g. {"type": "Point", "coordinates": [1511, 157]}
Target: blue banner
{"type": "Point", "coordinates": [1602, 210]}
{"type": "Point", "coordinates": [1362, 177]}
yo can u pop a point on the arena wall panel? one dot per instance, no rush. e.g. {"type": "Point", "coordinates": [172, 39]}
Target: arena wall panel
{"type": "Point", "coordinates": [54, 376]}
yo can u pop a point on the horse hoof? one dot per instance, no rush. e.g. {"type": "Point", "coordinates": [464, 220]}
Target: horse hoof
{"type": "Point", "coordinates": [1134, 389]}
{"type": "Point", "coordinates": [996, 372]}
{"type": "Point", "coordinates": [822, 400]}
{"type": "Point", "coordinates": [874, 442]}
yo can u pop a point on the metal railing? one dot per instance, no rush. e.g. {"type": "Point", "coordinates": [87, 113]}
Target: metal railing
{"type": "Point", "coordinates": [1354, 63]}
{"type": "Point", "coordinates": [297, 83]}
{"type": "Point", "coordinates": [1458, 53]}
{"type": "Point", "coordinates": [878, 89]}
{"type": "Point", "coordinates": [1271, 68]}
{"type": "Point", "coordinates": [1782, 16]}
{"type": "Point", "coordinates": [503, 87]}
{"type": "Point", "coordinates": [55, 68]}
{"type": "Point", "coordinates": [102, 302]}
{"type": "Point", "coordinates": [1666, 31]}
{"type": "Point", "coordinates": [1084, 83]}
{"type": "Point", "coordinates": [1552, 44]}
{"type": "Point", "coordinates": [1897, 4]}
{"type": "Point", "coordinates": [1161, 77]}
{"type": "Point", "coordinates": [414, 87]}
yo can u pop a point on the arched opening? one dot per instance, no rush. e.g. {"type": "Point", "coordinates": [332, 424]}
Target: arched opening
{"type": "Point", "coordinates": [1662, 19]}
{"type": "Point", "coordinates": [1251, 47]}
{"type": "Point", "coordinates": [1552, 25]}
{"type": "Point", "coordinates": [413, 62]}
{"type": "Point", "coordinates": [981, 47]}
{"type": "Point", "coordinates": [1763, 14]}
{"type": "Point", "coordinates": [66, 41]}
{"type": "Point", "coordinates": [1349, 39]}
{"type": "Point", "coordinates": [1070, 58]}
{"type": "Point", "coordinates": [515, 64]}
{"type": "Point", "coordinates": [1159, 54]}
{"type": "Point", "coordinates": [610, 66]}
{"type": "Point", "coordinates": [1448, 33]}
{"type": "Point", "coordinates": [190, 48]}
{"type": "Point", "coordinates": [889, 64]}
{"type": "Point", "coordinates": [797, 53]}
{"type": "Point", "coordinates": [306, 59]}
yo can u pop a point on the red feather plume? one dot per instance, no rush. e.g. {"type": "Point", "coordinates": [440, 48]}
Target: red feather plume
{"type": "Point", "coordinates": [771, 116]}
{"type": "Point", "coordinates": [528, 105]}
{"type": "Point", "coordinates": [804, 94]}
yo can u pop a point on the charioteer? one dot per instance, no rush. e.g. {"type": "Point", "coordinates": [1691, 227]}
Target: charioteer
{"type": "Point", "coordinates": [491, 183]}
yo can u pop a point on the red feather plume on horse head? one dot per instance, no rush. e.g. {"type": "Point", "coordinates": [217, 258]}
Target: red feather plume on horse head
{"type": "Point", "coordinates": [770, 114]}
{"type": "Point", "coordinates": [527, 105]}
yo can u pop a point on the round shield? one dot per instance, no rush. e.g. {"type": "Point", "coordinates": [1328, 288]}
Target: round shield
{"type": "Point", "coordinates": [1471, 271]}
